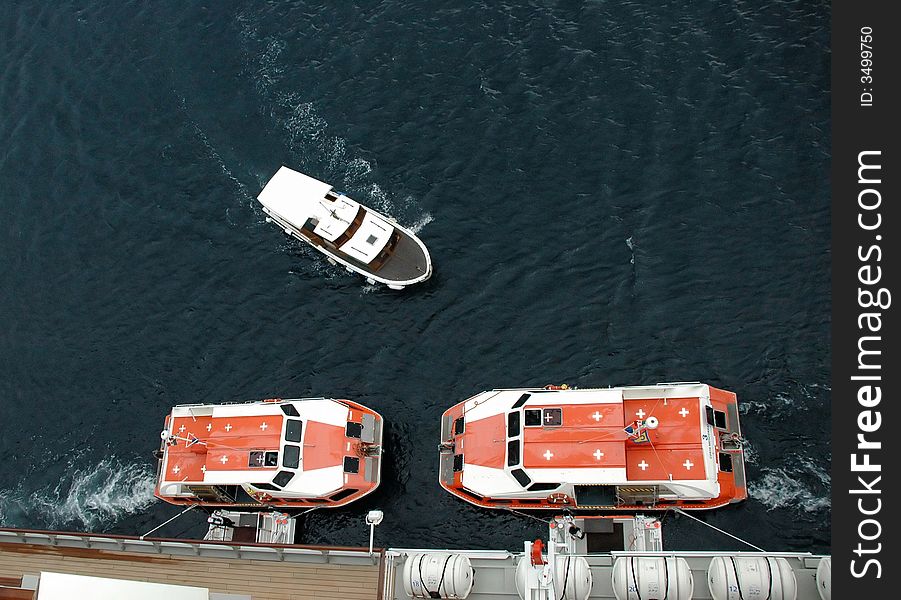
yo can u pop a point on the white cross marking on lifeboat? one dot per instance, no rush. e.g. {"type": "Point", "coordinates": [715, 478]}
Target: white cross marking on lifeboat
{"type": "Point", "coordinates": [181, 429]}
{"type": "Point", "coordinates": [549, 417]}
{"type": "Point", "coordinates": [263, 426]}
{"type": "Point", "coordinates": [640, 413]}
{"type": "Point", "coordinates": [688, 464]}
{"type": "Point", "coordinates": [209, 426]}
{"type": "Point", "coordinates": [597, 415]}
{"type": "Point", "coordinates": [683, 412]}
{"type": "Point", "coordinates": [203, 468]}
{"type": "Point", "coordinates": [228, 426]}
{"type": "Point", "coordinates": [224, 459]}
{"type": "Point", "coordinates": [176, 469]}
{"type": "Point", "coordinates": [548, 454]}
{"type": "Point", "coordinates": [260, 459]}
{"type": "Point", "coordinates": [644, 466]}
{"type": "Point", "coordinates": [598, 454]}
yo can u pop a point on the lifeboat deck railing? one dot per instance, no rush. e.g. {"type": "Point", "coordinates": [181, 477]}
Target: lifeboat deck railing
{"type": "Point", "coordinates": [189, 548]}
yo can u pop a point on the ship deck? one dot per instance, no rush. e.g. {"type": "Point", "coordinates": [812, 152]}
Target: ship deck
{"type": "Point", "coordinates": [407, 261]}
{"type": "Point", "coordinates": [235, 572]}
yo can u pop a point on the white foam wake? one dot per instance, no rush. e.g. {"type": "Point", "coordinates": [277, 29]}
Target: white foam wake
{"type": "Point", "coordinates": [421, 222]}
{"type": "Point", "coordinates": [806, 488]}
{"type": "Point", "coordinates": [85, 497]}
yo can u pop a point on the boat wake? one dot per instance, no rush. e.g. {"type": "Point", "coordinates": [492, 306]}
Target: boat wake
{"type": "Point", "coordinates": [805, 487]}
{"type": "Point", "coordinates": [85, 497]}
{"type": "Point", "coordinates": [420, 223]}
{"type": "Point", "coordinates": [309, 140]}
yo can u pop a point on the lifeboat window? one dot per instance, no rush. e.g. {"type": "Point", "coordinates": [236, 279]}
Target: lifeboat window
{"type": "Point", "coordinates": [512, 453]}
{"type": "Point", "coordinates": [459, 426]}
{"type": "Point", "coordinates": [520, 476]}
{"type": "Point", "coordinates": [708, 410]}
{"type": "Point", "coordinates": [513, 424]}
{"type": "Point", "coordinates": [353, 430]}
{"type": "Point", "coordinates": [351, 464]}
{"type": "Point", "coordinates": [522, 400]}
{"type": "Point", "coordinates": [289, 410]}
{"type": "Point", "coordinates": [271, 459]}
{"type": "Point", "coordinates": [342, 494]}
{"type": "Point", "coordinates": [533, 417]}
{"type": "Point", "coordinates": [543, 487]}
{"type": "Point", "coordinates": [265, 486]}
{"type": "Point", "coordinates": [283, 478]}
{"type": "Point", "coordinates": [725, 462]}
{"type": "Point", "coordinates": [291, 456]}
{"type": "Point", "coordinates": [719, 419]}
{"type": "Point", "coordinates": [553, 417]}
{"type": "Point", "coordinates": [458, 463]}
{"type": "Point", "coordinates": [293, 430]}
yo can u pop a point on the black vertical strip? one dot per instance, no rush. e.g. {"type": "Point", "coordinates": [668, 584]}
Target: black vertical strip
{"type": "Point", "coordinates": [865, 219]}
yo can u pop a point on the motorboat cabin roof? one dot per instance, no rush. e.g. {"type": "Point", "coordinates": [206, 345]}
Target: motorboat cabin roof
{"type": "Point", "coordinates": [595, 447]}
{"type": "Point", "coordinates": [277, 451]}
{"type": "Point", "coordinates": [361, 239]}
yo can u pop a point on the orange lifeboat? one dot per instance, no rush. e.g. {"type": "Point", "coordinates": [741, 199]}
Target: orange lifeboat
{"type": "Point", "coordinates": [627, 448]}
{"type": "Point", "coordinates": [269, 453]}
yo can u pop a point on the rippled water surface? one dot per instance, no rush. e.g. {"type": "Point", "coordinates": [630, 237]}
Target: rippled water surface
{"type": "Point", "coordinates": [612, 192]}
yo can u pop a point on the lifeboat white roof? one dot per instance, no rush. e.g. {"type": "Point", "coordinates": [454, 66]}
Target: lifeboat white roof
{"type": "Point", "coordinates": [229, 437]}
{"type": "Point", "coordinates": [585, 443]}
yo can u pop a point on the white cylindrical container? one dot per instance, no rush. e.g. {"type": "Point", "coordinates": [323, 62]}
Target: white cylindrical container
{"type": "Point", "coordinates": [751, 578]}
{"type": "Point", "coordinates": [647, 577]}
{"type": "Point", "coordinates": [572, 578]}
{"type": "Point", "coordinates": [448, 575]}
{"type": "Point", "coordinates": [824, 578]}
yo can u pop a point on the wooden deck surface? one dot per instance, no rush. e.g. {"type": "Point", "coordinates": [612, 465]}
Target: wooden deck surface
{"type": "Point", "coordinates": [260, 579]}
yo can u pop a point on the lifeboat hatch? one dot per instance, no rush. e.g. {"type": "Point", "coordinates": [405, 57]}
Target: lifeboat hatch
{"type": "Point", "coordinates": [261, 458]}
{"type": "Point", "coordinates": [458, 463]}
{"type": "Point", "coordinates": [725, 462]}
{"type": "Point", "coordinates": [717, 418]}
{"type": "Point", "coordinates": [595, 495]}
{"type": "Point", "coordinates": [353, 430]}
{"type": "Point", "coordinates": [351, 464]}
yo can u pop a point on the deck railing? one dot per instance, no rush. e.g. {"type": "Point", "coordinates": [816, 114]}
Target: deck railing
{"type": "Point", "coordinates": [180, 547]}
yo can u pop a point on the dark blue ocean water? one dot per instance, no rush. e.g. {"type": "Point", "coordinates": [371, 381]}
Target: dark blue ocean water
{"type": "Point", "coordinates": [612, 193]}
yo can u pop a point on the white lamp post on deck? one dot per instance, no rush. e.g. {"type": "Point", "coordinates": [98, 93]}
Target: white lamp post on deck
{"type": "Point", "coordinates": [372, 519]}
